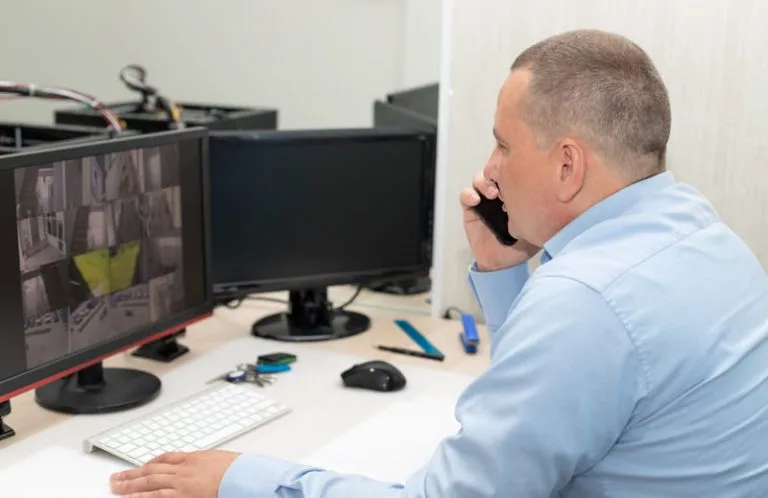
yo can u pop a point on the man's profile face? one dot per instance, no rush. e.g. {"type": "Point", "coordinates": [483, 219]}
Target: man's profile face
{"type": "Point", "coordinates": [516, 163]}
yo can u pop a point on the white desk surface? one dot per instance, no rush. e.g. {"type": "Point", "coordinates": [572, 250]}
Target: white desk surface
{"type": "Point", "coordinates": [322, 409]}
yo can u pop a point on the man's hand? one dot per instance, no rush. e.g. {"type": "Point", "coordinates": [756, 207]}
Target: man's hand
{"type": "Point", "coordinates": [176, 475]}
{"type": "Point", "coordinates": [489, 253]}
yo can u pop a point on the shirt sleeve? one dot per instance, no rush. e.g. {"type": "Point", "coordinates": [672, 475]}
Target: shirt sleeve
{"type": "Point", "coordinates": [496, 291]}
{"type": "Point", "coordinates": [561, 387]}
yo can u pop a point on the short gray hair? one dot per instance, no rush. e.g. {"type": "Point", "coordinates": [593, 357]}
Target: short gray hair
{"type": "Point", "coordinates": [604, 88]}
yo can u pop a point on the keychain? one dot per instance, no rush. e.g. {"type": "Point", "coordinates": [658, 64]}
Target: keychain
{"type": "Point", "coordinates": [235, 376]}
{"type": "Point", "coordinates": [255, 375]}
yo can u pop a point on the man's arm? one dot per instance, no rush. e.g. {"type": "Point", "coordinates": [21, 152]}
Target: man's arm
{"type": "Point", "coordinates": [496, 291]}
{"type": "Point", "coordinates": [560, 389]}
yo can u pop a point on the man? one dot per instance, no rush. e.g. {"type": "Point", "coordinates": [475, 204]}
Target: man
{"type": "Point", "coordinates": [632, 363]}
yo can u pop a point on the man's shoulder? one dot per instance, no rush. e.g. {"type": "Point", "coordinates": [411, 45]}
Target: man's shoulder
{"type": "Point", "coordinates": [642, 239]}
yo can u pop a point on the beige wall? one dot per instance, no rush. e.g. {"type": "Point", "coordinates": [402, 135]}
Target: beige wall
{"type": "Point", "coordinates": [710, 53]}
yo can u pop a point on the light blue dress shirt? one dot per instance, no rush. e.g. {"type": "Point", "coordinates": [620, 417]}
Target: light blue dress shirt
{"type": "Point", "coordinates": [632, 363]}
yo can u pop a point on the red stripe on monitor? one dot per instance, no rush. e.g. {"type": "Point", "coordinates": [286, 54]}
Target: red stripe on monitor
{"type": "Point", "coordinates": [70, 371]}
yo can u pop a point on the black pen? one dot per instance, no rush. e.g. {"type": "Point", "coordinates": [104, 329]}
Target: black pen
{"type": "Point", "coordinates": [411, 352]}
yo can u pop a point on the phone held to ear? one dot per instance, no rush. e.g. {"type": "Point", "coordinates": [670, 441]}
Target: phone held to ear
{"type": "Point", "coordinates": [494, 217]}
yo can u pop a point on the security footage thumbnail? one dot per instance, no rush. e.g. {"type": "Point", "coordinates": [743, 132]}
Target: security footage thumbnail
{"type": "Point", "coordinates": [45, 290]}
{"type": "Point", "coordinates": [129, 217]}
{"type": "Point", "coordinates": [166, 295]}
{"type": "Point", "coordinates": [46, 337]}
{"type": "Point", "coordinates": [125, 175]}
{"type": "Point", "coordinates": [89, 288]}
{"type": "Point", "coordinates": [85, 181]}
{"type": "Point", "coordinates": [41, 240]}
{"type": "Point", "coordinates": [44, 298]}
{"type": "Point", "coordinates": [39, 190]}
{"type": "Point", "coordinates": [129, 308]}
{"type": "Point", "coordinates": [164, 212]}
{"type": "Point", "coordinates": [100, 248]}
{"type": "Point", "coordinates": [157, 174]}
{"type": "Point", "coordinates": [89, 228]}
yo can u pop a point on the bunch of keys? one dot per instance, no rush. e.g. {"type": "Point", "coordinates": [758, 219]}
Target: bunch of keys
{"type": "Point", "coordinates": [246, 372]}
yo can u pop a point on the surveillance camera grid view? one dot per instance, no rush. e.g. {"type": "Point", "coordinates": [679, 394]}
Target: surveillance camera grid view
{"type": "Point", "coordinates": [100, 248]}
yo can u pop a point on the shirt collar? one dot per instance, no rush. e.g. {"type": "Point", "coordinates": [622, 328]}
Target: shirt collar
{"type": "Point", "coordinates": [608, 208]}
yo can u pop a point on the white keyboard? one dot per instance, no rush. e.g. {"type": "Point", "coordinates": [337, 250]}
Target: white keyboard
{"type": "Point", "coordinates": [201, 421]}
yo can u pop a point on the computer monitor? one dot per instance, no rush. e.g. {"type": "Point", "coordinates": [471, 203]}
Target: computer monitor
{"type": "Point", "coordinates": [104, 247]}
{"type": "Point", "coordinates": [16, 137]}
{"type": "Point", "coordinates": [386, 115]}
{"type": "Point", "coordinates": [304, 210]}
{"type": "Point", "coordinates": [422, 100]}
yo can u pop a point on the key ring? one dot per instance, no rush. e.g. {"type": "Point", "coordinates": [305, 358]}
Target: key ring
{"type": "Point", "coordinates": [234, 376]}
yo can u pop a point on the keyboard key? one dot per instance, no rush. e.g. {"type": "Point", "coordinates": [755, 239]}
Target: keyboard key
{"type": "Point", "coordinates": [138, 452]}
{"type": "Point", "coordinates": [126, 448]}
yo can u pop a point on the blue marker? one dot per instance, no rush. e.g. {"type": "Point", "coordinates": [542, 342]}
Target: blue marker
{"type": "Point", "coordinates": [419, 339]}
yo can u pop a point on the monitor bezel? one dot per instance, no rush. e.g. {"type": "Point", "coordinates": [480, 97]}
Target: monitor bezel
{"type": "Point", "coordinates": [234, 290]}
{"type": "Point", "coordinates": [39, 376]}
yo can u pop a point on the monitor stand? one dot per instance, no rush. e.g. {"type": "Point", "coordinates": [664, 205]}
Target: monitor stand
{"type": "Point", "coordinates": [96, 389]}
{"type": "Point", "coordinates": [311, 318]}
{"type": "Point", "coordinates": [165, 349]}
{"type": "Point", "coordinates": [404, 287]}
{"type": "Point", "coordinates": [5, 431]}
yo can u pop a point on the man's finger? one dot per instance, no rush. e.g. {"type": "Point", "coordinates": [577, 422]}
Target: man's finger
{"type": "Point", "coordinates": [160, 493]}
{"type": "Point", "coordinates": [468, 197]}
{"type": "Point", "coordinates": [174, 458]}
{"type": "Point", "coordinates": [484, 186]}
{"type": "Point", "coordinates": [149, 468]}
{"type": "Point", "coordinates": [144, 484]}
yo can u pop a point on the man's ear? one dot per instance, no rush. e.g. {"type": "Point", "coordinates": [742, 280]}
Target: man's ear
{"type": "Point", "coordinates": [571, 170]}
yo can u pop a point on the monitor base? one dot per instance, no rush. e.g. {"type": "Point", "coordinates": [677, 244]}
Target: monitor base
{"type": "Point", "coordinates": [406, 287]}
{"type": "Point", "coordinates": [311, 318]}
{"type": "Point", "coordinates": [164, 350]}
{"type": "Point", "coordinates": [96, 389]}
{"type": "Point", "coordinates": [5, 431]}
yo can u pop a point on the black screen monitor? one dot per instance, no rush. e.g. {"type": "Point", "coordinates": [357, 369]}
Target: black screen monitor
{"type": "Point", "coordinates": [18, 137]}
{"type": "Point", "coordinates": [304, 210]}
{"type": "Point", "coordinates": [422, 100]}
{"type": "Point", "coordinates": [103, 249]}
{"type": "Point", "coordinates": [386, 115]}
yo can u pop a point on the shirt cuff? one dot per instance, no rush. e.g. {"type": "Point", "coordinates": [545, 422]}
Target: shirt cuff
{"type": "Point", "coordinates": [495, 291]}
{"type": "Point", "coordinates": [254, 475]}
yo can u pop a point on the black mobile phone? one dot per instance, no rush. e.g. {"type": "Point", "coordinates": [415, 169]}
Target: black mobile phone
{"type": "Point", "coordinates": [494, 217]}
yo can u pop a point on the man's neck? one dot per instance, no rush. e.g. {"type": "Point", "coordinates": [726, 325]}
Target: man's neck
{"type": "Point", "coordinates": [599, 187]}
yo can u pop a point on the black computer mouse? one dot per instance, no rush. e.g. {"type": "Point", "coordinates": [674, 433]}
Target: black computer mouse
{"type": "Point", "coordinates": [374, 375]}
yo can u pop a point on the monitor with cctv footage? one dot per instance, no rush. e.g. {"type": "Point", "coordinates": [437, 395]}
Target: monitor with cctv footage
{"type": "Point", "coordinates": [104, 249]}
{"type": "Point", "coordinates": [304, 210]}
